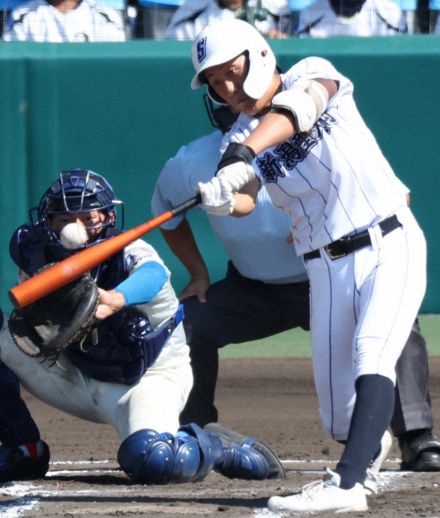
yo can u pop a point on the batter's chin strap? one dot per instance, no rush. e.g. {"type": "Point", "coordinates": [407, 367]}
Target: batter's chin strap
{"type": "Point", "coordinates": [220, 116]}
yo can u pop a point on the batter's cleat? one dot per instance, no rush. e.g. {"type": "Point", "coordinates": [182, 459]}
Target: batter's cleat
{"type": "Point", "coordinates": [26, 462]}
{"type": "Point", "coordinates": [422, 453]}
{"type": "Point", "coordinates": [371, 481]}
{"type": "Point", "coordinates": [322, 495]}
{"type": "Point", "coordinates": [245, 457]}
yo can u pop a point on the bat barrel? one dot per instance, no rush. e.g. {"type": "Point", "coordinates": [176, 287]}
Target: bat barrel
{"type": "Point", "coordinates": [44, 282]}
{"type": "Point", "coordinates": [60, 274]}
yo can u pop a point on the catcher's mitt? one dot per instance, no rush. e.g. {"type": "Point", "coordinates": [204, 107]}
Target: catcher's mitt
{"type": "Point", "coordinates": [48, 326]}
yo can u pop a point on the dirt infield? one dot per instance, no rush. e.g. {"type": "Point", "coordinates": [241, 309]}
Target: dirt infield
{"type": "Point", "coordinates": [273, 400]}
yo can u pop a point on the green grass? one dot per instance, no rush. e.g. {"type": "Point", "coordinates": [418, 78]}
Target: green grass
{"type": "Point", "coordinates": [296, 343]}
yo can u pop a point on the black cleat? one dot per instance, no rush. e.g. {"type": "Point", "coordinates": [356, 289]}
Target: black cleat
{"type": "Point", "coordinates": [421, 453]}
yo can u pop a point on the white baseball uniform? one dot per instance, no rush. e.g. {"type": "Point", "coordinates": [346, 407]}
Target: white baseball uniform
{"type": "Point", "coordinates": [154, 402]}
{"type": "Point", "coordinates": [336, 182]}
{"type": "Point", "coordinates": [38, 20]}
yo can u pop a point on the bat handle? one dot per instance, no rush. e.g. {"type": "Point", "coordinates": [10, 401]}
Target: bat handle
{"type": "Point", "coordinates": [186, 205]}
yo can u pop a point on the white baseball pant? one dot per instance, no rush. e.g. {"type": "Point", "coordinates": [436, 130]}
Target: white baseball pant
{"type": "Point", "coordinates": [154, 402]}
{"type": "Point", "coordinates": [363, 306]}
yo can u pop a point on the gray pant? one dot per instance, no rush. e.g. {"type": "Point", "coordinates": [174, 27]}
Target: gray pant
{"type": "Point", "coordinates": [239, 310]}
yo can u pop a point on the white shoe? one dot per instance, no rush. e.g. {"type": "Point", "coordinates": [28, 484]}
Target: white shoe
{"type": "Point", "coordinates": [371, 481]}
{"type": "Point", "coordinates": [322, 495]}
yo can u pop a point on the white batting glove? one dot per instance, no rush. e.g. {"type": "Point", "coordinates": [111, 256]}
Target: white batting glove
{"type": "Point", "coordinates": [217, 197]}
{"type": "Point", "coordinates": [233, 172]}
{"type": "Point", "coordinates": [236, 175]}
{"type": "Point", "coordinates": [235, 166]}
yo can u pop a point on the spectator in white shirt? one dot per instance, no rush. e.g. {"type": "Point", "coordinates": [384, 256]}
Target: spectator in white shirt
{"type": "Point", "coordinates": [270, 17]}
{"type": "Point", "coordinates": [352, 18]}
{"type": "Point", "coordinates": [65, 21]}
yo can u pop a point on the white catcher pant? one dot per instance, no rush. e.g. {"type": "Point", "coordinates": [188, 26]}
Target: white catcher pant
{"type": "Point", "coordinates": [362, 309]}
{"type": "Point", "coordinates": [155, 402]}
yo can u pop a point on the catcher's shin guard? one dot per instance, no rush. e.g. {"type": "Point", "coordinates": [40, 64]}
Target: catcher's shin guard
{"type": "Point", "coordinates": [245, 457]}
{"type": "Point", "coordinates": [148, 457]}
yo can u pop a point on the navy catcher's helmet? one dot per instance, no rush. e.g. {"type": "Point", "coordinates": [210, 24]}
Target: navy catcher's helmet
{"type": "Point", "coordinates": [77, 191]}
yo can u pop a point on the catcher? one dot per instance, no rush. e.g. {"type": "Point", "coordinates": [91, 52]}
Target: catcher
{"type": "Point", "coordinates": [109, 348]}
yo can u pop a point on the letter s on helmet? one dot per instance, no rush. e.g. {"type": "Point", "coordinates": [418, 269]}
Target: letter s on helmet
{"type": "Point", "coordinates": [225, 40]}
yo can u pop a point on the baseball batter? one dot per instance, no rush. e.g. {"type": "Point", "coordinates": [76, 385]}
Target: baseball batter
{"type": "Point", "coordinates": [265, 291]}
{"type": "Point", "coordinates": [301, 135]}
{"type": "Point", "coordinates": [131, 371]}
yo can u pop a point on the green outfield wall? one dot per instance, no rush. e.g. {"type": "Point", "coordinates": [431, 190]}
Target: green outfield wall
{"type": "Point", "coordinates": [123, 108]}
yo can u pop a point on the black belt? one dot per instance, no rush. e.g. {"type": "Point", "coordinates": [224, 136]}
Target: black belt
{"type": "Point", "coordinates": [348, 244]}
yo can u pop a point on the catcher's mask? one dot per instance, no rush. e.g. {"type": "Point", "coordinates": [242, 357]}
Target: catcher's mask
{"type": "Point", "coordinates": [77, 191]}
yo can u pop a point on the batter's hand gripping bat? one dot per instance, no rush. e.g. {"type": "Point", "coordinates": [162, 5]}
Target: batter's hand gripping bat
{"type": "Point", "coordinates": [69, 269]}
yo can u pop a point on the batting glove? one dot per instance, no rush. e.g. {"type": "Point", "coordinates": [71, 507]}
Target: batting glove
{"type": "Point", "coordinates": [235, 166]}
{"type": "Point", "coordinates": [217, 197]}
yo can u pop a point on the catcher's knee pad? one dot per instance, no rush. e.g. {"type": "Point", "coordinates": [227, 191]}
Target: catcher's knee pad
{"type": "Point", "coordinates": [148, 457]}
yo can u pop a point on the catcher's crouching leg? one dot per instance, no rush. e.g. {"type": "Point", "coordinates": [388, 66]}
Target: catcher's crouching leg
{"type": "Point", "coordinates": [148, 457]}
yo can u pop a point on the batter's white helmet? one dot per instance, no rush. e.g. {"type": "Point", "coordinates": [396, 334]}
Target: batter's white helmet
{"type": "Point", "coordinates": [225, 40]}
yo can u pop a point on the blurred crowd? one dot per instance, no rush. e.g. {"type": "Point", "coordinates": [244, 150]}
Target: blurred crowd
{"type": "Point", "coordinates": [121, 20]}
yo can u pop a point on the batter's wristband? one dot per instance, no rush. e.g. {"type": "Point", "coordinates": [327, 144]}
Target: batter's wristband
{"type": "Point", "coordinates": [236, 153]}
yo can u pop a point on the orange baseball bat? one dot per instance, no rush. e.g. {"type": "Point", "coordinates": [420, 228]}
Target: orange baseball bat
{"type": "Point", "coordinates": [69, 269]}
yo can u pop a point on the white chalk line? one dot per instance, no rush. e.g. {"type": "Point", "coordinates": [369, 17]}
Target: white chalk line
{"type": "Point", "coordinates": [24, 496]}
{"type": "Point", "coordinates": [74, 462]}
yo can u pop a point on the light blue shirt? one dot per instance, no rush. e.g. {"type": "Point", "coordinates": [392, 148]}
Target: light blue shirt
{"type": "Point", "coordinates": [257, 243]}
